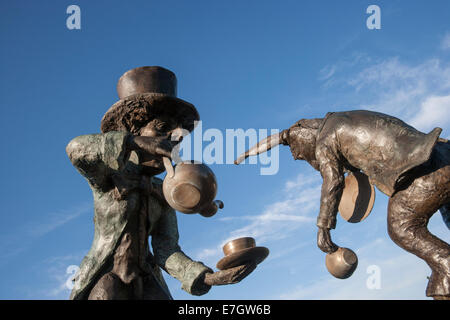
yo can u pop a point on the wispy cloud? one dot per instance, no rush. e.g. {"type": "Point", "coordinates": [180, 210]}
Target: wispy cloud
{"type": "Point", "coordinates": [57, 219]}
{"type": "Point", "coordinates": [279, 219]}
{"type": "Point", "coordinates": [445, 42]}
{"type": "Point", "coordinates": [330, 74]}
{"type": "Point", "coordinates": [59, 271]}
{"type": "Point", "coordinates": [417, 93]}
{"type": "Point", "coordinates": [435, 110]}
{"type": "Point", "coordinates": [396, 280]}
{"type": "Point", "coordinates": [327, 72]}
{"type": "Point", "coordinates": [19, 240]}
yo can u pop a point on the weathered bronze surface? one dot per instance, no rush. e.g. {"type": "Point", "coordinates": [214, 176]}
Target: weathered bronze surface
{"type": "Point", "coordinates": [129, 206]}
{"type": "Point", "coordinates": [411, 167]}
{"type": "Point", "coordinates": [357, 198]}
{"type": "Point", "coordinates": [147, 79]}
{"type": "Point", "coordinates": [191, 187]}
{"type": "Point", "coordinates": [241, 251]}
{"type": "Point", "coordinates": [147, 93]}
{"type": "Point", "coordinates": [238, 244]}
{"type": "Point", "coordinates": [341, 263]}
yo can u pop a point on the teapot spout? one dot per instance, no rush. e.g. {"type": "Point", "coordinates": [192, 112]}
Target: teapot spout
{"type": "Point", "coordinates": [211, 209]}
{"type": "Point", "coordinates": [169, 168]}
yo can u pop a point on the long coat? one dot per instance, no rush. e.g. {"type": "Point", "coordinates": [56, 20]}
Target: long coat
{"type": "Point", "coordinates": [385, 148]}
{"type": "Point", "coordinates": [114, 176]}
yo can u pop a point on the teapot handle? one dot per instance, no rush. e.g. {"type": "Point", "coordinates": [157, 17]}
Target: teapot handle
{"type": "Point", "coordinates": [169, 168]}
{"type": "Point", "coordinates": [211, 209]}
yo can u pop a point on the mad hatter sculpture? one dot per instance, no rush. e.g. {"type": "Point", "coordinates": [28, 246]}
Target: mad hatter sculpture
{"type": "Point", "coordinates": [411, 167]}
{"type": "Point", "coordinates": [129, 206]}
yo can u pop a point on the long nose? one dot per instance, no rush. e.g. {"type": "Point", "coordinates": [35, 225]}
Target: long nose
{"type": "Point", "coordinates": [262, 146]}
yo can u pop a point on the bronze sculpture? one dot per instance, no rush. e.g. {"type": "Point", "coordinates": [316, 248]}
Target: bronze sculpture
{"type": "Point", "coordinates": [411, 167]}
{"type": "Point", "coordinates": [341, 263]}
{"type": "Point", "coordinates": [238, 251]}
{"type": "Point", "coordinates": [191, 187]}
{"type": "Point", "coordinates": [129, 206]}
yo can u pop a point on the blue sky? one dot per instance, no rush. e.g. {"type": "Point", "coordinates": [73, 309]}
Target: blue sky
{"type": "Point", "coordinates": [243, 64]}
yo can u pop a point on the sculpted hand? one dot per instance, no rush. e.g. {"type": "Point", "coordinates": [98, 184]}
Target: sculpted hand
{"type": "Point", "coordinates": [324, 241]}
{"type": "Point", "coordinates": [154, 146]}
{"type": "Point", "coordinates": [229, 276]}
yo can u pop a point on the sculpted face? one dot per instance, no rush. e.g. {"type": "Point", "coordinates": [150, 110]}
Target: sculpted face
{"type": "Point", "coordinates": [163, 127]}
{"type": "Point", "coordinates": [302, 141]}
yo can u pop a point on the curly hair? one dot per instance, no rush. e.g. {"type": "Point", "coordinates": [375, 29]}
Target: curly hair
{"type": "Point", "coordinates": [131, 116]}
{"type": "Point", "coordinates": [134, 112]}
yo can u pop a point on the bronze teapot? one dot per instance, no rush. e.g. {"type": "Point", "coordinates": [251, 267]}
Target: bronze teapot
{"type": "Point", "coordinates": [190, 187]}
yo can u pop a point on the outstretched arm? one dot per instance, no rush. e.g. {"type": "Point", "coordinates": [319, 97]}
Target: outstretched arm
{"type": "Point", "coordinates": [170, 257]}
{"type": "Point", "coordinates": [196, 278]}
{"type": "Point", "coordinates": [332, 173]}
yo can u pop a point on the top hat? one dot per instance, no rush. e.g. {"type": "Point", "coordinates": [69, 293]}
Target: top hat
{"type": "Point", "coordinates": [145, 93]}
{"type": "Point", "coordinates": [241, 251]}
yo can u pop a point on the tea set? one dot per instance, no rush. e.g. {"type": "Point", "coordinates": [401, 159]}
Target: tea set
{"type": "Point", "coordinates": [190, 187]}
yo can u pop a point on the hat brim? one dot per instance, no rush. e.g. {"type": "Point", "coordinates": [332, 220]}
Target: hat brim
{"type": "Point", "coordinates": [135, 111]}
{"type": "Point", "coordinates": [254, 254]}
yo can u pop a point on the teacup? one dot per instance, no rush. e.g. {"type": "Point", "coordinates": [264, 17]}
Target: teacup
{"type": "Point", "coordinates": [341, 263]}
{"type": "Point", "coordinates": [241, 251]}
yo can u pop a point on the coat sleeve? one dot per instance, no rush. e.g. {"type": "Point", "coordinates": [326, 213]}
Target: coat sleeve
{"type": "Point", "coordinates": [169, 256]}
{"type": "Point", "coordinates": [98, 156]}
{"type": "Point", "coordinates": [332, 172]}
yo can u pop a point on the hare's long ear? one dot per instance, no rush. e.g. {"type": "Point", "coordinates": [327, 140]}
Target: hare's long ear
{"type": "Point", "coordinates": [263, 146]}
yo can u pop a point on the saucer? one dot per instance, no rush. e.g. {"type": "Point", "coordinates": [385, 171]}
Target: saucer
{"type": "Point", "coordinates": [256, 254]}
